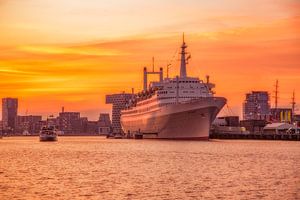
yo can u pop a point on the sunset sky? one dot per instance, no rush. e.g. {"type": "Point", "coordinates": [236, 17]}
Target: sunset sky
{"type": "Point", "coordinates": [71, 52]}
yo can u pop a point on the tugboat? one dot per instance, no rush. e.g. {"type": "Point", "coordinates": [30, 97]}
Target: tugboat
{"type": "Point", "coordinates": [48, 133]}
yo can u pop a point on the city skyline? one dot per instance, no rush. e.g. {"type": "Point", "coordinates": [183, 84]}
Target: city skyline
{"type": "Point", "coordinates": [72, 53]}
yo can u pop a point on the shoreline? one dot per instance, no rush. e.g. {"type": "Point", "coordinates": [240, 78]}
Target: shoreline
{"type": "Point", "coordinates": [219, 136]}
{"type": "Point", "coordinates": [255, 136]}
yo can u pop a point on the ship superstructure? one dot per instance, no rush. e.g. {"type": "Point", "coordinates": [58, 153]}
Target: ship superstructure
{"type": "Point", "coordinates": [48, 133]}
{"type": "Point", "coordinates": [173, 108]}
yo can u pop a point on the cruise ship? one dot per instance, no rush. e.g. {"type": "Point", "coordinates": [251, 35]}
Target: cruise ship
{"type": "Point", "coordinates": [182, 107]}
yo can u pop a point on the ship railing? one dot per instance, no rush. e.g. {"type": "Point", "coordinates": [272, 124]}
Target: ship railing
{"type": "Point", "coordinates": [140, 97]}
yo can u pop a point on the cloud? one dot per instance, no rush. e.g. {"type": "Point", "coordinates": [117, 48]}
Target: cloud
{"type": "Point", "coordinates": [78, 75]}
{"type": "Point", "coordinates": [69, 51]}
{"type": "Point", "coordinates": [9, 71]}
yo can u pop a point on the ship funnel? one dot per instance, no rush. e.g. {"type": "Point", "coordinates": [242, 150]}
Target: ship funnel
{"type": "Point", "coordinates": [183, 59]}
{"type": "Point", "coordinates": [161, 74]}
{"type": "Point", "coordinates": [207, 78]}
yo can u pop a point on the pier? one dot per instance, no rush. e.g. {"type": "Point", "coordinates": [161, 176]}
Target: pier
{"type": "Point", "coordinates": [256, 136]}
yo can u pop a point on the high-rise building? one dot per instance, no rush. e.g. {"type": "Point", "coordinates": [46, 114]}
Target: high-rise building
{"type": "Point", "coordinates": [9, 113]}
{"type": "Point", "coordinates": [119, 102]}
{"type": "Point", "coordinates": [256, 106]}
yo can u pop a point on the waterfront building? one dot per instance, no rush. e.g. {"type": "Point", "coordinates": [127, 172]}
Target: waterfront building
{"type": "Point", "coordinates": [70, 122]}
{"type": "Point", "coordinates": [92, 128]}
{"type": "Point", "coordinates": [84, 124]}
{"type": "Point", "coordinates": [227, 125]}
{"type": "Point", "coordinates": [219, 121]}
{"type": "Point", "coordinates": [30, 124]}
{"type": "Point", "coordinates": [101, 126]}
{"type": "Point", "coordinates": [51, 120]}
{"type": "Point", "coordinates": [256, 106]}
{"type": "Point", "coordinates": [104, 124]}
{"type": "Point", "coordinates": [232, 121]}
{"type": "Point", "coordinates": [254, 125]}
{"type": "Point", "coordinates": [73, 123]}
{"type": "Point", "coordinates": [104, 119]}
{"type": "Point", "coordinates": [118, 102]}
{"type": "Point", "coordinates": [1, 127]}
{"type": "Point", "coordinates": [280, 128]}
{"type": "Point", "coordinates": [281, 115]}
{"type": "Point", "coordinates": [9, 113]}
{"type": "Point", "coordinates": [296, 119]}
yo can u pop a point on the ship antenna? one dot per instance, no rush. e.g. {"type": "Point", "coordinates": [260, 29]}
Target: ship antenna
{"type": "Point", "coordinates": [168, 67]}
{"type": "Point", "coordinates": [183, 59]}
{"type": "Point", "coordinates": [169, 64]}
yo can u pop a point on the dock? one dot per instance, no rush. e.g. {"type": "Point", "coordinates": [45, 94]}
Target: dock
{"type": "Point", "coordinates": [256, 136]}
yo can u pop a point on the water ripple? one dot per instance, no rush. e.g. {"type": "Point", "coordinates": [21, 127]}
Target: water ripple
{"type": "Point", "coordinates": [97, 168]}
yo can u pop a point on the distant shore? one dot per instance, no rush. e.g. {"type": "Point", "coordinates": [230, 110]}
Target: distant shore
{"type": "Point", "coordinates": [71, 135]}
{"type": "Point", "coordinates": [222, 136]}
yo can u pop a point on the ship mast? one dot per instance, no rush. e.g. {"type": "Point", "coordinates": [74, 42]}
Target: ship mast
{"type": "Point", "coordinates": [276, 94]}
{"type": "Point", "coordinates": [183, 59]}
{"type": "Point", "coordinates": [293, 105]}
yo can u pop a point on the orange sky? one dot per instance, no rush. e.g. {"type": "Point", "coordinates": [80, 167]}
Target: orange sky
{"type": "Point", "coordinates": [72, 53]}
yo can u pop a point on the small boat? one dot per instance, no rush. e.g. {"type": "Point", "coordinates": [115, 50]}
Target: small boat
{"type": "Point", "coordinates": [25, 133]}
{"type": "Point", "coordinates": [118, 136]}
{"type": "Point", "coordinates": [114, 136]}
{"type": "Point", "coordinates": [48, 133]}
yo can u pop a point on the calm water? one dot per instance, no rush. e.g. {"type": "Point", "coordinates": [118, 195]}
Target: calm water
{"type": "Point", "coordinates": [99, 168]}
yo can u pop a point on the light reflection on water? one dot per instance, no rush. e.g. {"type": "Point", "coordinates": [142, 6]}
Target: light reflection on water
{"type": "Point", "coordinates": [99, 168]}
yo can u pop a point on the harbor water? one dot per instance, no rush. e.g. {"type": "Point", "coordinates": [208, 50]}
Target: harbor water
{"type": "Point", "coordinates": [99, 168]}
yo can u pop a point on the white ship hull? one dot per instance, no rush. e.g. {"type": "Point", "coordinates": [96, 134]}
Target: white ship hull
{"type": "Point", "coordinates": [176, 121]}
